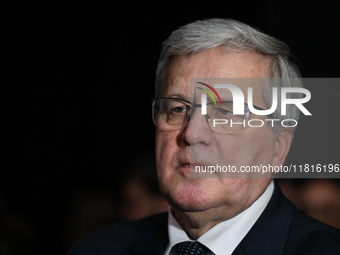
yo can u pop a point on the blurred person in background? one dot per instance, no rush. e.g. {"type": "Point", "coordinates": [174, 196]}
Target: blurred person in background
{"type": "Point", "coordinates": [319, 198]}
{"type": "Point", "coordinates": [141, 196]}
{"type": "Point", "coordinates": [91, 209]}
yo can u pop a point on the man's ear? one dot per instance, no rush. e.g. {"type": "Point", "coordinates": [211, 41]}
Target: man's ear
{"type": "Point", "coordinates": [282, 146]}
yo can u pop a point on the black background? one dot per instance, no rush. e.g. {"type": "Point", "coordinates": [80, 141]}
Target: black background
{"type": "Point", "coordinates": [77, 84]}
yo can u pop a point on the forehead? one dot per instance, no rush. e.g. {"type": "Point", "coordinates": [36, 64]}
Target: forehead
{"type": "Point", "coordinates": [214, 63]}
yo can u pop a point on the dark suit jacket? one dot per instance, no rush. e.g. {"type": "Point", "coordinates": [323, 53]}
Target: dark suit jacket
{"type": "Point", "coordinates": [281, 229]}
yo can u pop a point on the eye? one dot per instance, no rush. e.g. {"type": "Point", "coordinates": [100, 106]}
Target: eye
{"type": "Point", "coordinates": [178, 109]}
{"type": "Point", "coordinates": [223, 111]}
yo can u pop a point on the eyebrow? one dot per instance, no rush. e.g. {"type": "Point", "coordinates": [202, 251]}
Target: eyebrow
{"type": "Point", "coordinates": [184, 97]}
{"type": "Point", "coordinates": [223, 99]}
{"type": "Point", "coordinates": [178, 95]}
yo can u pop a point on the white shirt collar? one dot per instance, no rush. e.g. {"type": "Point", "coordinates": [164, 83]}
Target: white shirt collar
{"type": "Point", "coordinates": [224, 237]}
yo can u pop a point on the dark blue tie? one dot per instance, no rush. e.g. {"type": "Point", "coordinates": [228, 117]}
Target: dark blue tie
{"type": "Point", "coordinates": [190, 248]}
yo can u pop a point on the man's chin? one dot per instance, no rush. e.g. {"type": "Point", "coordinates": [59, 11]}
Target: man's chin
{"type": "Point", "coordinates": [191, 211]}
{"type": "Point", "coordinates": [193, 202]}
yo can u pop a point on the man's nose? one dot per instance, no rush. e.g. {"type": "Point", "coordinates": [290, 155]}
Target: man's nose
{"type": "Point", "coordinates": [197, 130]}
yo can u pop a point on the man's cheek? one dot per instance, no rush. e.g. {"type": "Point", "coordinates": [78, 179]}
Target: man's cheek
{"type": "Point", "coordinates": [262, 148]}
{"type": "Point", "coordinates": [166, 141]}
{"type": "Point", "coordinates": [231, 151]}
{"type": "Point", "coordinates": [165, 149]}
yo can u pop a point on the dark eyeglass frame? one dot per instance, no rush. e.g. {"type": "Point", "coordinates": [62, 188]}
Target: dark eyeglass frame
{"type": "Point", "coordinates": [193, 106]}
{"type": "Point", "coordinates": [198, 105]}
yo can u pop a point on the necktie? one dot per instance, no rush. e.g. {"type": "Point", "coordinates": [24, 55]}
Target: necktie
{"type": "Point", "coordinates": [191, 248]}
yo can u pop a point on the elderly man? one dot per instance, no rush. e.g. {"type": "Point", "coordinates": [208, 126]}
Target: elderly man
{"type": "Point", "coordinates": [218, 215]}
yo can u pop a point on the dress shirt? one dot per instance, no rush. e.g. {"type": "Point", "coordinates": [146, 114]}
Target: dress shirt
{"type": "Point", "coordinates": [223, 238]}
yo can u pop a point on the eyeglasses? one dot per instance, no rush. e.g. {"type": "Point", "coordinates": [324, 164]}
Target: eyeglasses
{"type": "Point", "coordinates": [174, 113]}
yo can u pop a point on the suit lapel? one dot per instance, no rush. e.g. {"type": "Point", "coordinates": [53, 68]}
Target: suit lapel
{"type": "Point", "coordinates": [269, 233]}
{"type": "Point", "coordinates": [151, 243]}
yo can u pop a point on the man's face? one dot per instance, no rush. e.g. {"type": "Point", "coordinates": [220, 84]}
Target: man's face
{"type": "Point", "coordinates": [254, 146]}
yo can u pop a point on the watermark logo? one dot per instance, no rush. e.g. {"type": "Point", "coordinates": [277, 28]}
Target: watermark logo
{"type": "Point", "coordinates": [230, 112]}
{"type": "Point", "coordinates": [206, 91]}
{"type": "Point", "coordinates": [238, 99]}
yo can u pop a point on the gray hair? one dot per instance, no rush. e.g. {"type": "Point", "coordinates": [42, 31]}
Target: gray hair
{"type": "Point", "coordinates": [206, 34]}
